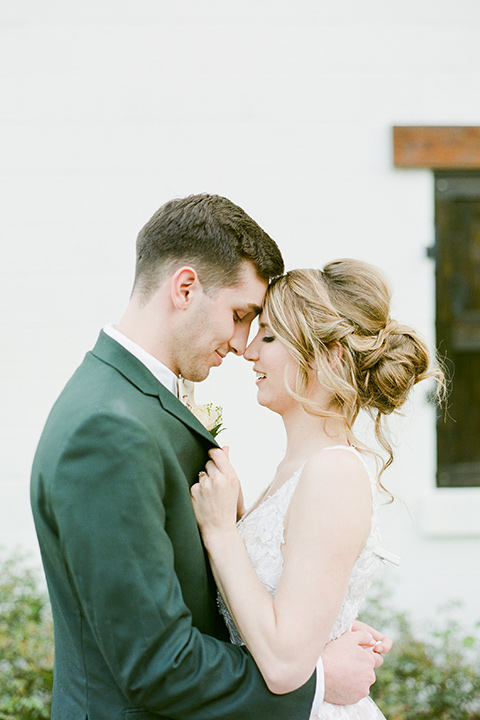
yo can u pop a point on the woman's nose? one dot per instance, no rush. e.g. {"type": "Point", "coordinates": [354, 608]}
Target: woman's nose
{"type": "Point", "coordinates": [251, 352]}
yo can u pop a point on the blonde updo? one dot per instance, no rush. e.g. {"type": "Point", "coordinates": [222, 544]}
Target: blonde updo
{"type": "Point", "coordinates": [337, 323]}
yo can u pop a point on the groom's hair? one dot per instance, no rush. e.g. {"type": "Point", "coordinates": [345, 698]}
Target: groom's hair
{"type": "Point", "coordinates": [211, 234]}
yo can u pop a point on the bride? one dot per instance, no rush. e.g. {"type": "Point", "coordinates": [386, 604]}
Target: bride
{"type": "Point", "coordinates": [294, 570]}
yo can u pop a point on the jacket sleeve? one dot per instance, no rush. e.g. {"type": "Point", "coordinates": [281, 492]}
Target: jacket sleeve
{"type": "Point", "coordinates": [108, 504]}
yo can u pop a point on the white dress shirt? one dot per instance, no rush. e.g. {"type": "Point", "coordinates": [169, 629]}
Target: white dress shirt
{"type": "Point", "coordinates": [320, 688]}
{"type": "Point", "coordinates": [168, 378]}
{"type": "Point", "coordinates": [163, 374]}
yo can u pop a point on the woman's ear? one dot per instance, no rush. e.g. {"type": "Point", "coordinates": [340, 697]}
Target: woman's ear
{"type": "Point", "coordinates": [184, 285]}
{"type": "Point", "coordinates": [335, 355]}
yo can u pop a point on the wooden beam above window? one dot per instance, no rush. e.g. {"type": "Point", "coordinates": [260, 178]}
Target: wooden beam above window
{"type": "Point", "coordinates": [437, 148]}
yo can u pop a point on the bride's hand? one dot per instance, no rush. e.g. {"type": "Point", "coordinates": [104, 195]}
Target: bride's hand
{"type": "Point", "coordinates": [217, 495]}
{"type": "Point", "coordinates": [383, 643]}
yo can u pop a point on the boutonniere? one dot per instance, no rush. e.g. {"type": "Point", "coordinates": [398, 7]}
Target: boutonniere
{"type": "Point", "coordinates": [209, 415]}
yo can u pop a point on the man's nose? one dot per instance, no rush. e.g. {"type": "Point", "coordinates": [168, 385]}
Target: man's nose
{"type": "Point", "coordinates": [238, 343]}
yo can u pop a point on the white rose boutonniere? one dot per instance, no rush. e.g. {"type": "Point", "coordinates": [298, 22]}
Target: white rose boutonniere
{"type": "Point", "coordinates": [209, 415]}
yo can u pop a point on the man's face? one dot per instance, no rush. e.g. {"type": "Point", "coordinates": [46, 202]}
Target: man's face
{"type": "Point", "coordinates": [218, 325]}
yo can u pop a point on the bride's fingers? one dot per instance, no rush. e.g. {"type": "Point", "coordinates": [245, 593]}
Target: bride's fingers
{"type": "Point", "coordinates": [384, 645]}
{"type": "Point", "coordinates": [209, 467]}
{"type": "Point", "coordinates": [363, 637]}
{"type": "Point", "coordinates": [220, 456]}
{"type": "Point", "coordinates": [214, 477]}
{"type": "Point", "coordinates": [212, 469]}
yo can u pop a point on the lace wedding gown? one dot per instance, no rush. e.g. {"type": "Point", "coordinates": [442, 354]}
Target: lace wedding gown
{"type": "Point", "coordinates": [262, 531]}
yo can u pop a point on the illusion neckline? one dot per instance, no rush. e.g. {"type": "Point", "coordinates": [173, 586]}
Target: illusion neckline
{"type": "Point", "coordinates": [269, 496]}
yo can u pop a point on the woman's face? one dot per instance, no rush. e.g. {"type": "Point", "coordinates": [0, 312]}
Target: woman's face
{"type": "Point", "coordinates": [272, 364]}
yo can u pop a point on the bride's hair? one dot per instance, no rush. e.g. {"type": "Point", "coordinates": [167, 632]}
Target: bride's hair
{"type": "Point", "coordinates": [337, 322]}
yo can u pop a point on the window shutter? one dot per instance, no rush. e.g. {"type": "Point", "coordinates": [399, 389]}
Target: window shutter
{"type": "Point", "coordinates": [457, 252]}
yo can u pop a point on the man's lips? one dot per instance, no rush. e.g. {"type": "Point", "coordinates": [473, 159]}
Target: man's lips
{"type": "Point", "coordinates": [218, 357]}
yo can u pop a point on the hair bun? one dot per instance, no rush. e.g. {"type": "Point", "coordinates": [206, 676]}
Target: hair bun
{"type": "Point", "coordinates": [372, 347]}
{"type": "Point", "coordinates": [396, 361]}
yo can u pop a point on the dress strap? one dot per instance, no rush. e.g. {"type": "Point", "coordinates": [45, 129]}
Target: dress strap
{"type": "Point", "coordinates": [358, 454]}
{"type": "Point", "coordinates": [342, 447]}
{"type": "Point", "coordinates": [386, 556]}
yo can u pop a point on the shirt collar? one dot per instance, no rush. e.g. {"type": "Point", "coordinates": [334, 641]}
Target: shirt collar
{"type": "Point", "coordinates": [160, 371]}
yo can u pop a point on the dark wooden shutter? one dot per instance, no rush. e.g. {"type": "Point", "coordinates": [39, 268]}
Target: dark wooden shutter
{"type": "Point", "coordinates": [457, 252]}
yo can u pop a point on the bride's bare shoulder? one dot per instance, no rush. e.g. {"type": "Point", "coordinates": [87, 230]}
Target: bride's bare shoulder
{"type": "Point", "coordinates": [336, 467]}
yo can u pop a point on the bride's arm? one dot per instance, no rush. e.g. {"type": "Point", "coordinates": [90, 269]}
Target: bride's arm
{"type": "Point", "coordinates": [326, 526]}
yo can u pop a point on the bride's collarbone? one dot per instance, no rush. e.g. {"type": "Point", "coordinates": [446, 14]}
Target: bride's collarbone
{"type": "Point", "coordinates": [288, 468]}
{"type": "Point", "coordinates": [282, 476]}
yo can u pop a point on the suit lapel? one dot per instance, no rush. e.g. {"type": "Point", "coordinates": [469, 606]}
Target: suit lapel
{"type": "Point", "coordinates": [109, 351]}
{"type": "Point", "coordinates": [173, 405]}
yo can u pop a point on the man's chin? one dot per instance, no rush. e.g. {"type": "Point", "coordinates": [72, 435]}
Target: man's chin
{"type": "Point", "coordinates": [197, 375]}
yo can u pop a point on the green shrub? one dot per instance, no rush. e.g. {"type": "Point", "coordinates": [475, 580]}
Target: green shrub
{"type": "Point", "coordinates": [431, 673]}
{"type": "Point", "coordinates": [26, 644]}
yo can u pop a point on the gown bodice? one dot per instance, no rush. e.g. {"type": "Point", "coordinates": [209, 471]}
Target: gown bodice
{"type": "Point", "coordinates": [262, 530]}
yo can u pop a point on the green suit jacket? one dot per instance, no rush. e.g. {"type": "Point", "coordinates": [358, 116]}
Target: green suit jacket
{"type": "Point", "coordinates": [137, 632]}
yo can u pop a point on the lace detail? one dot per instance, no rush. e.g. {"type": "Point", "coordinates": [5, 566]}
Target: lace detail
{"type": "Point", "coordinates": [262, 530]}
{"type": "Point", "coordinates": [363, 710]}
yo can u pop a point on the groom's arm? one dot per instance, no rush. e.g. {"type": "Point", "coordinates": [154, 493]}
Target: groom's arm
{"type": "Point", "coordinates": [350, 661]}
{"type": "Point", "coordinates": [109, 502]}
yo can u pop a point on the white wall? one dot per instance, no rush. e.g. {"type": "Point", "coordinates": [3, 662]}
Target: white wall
{"type": "Point", "coordinates": [109, 108]}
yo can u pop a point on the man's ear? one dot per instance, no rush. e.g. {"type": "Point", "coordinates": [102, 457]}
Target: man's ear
{"type": "Point", "coordinates": [183, 286]}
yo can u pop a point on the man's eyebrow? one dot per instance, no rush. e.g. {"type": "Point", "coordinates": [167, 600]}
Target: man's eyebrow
{"type": "Point", "coordinates": [250, 307]}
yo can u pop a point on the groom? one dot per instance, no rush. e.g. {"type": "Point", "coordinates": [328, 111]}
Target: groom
{"type": "Point", "coordinates": [137, 632]}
